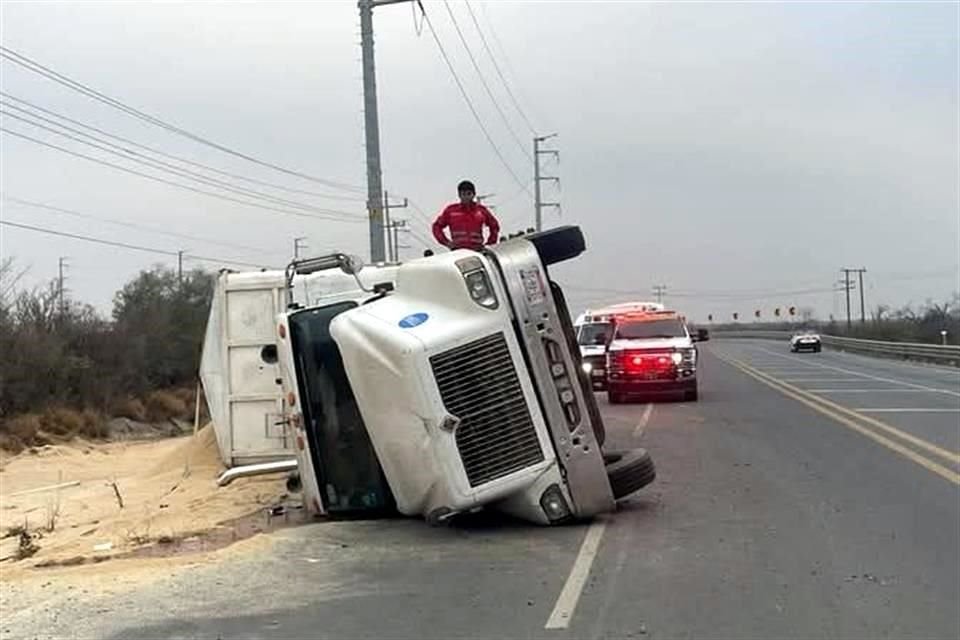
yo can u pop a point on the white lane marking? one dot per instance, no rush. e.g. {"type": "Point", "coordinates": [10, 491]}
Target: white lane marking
{"type": "Point", "coordinates": [567, 602]}
{"type": "Point", "coordinates": [866, 391]}
{"type": "Point", "coordinates": [907, 410]}
{"type": "Point", "coordinates": [868, 376]}
{"type": "Point", "coordinates": [644, 419]}
{"type": "Point", "coordinates": [824, 380]}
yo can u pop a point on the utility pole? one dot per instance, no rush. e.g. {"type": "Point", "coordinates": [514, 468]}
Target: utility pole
{"type": "Point", "coordinates": [538, 204]}
{"type": "Point", "coordinates": [863, 311]}
{"type": "Point", "coordinates": [395, 227]}
{"type": "Point", "coordinates": [297, 245]}
{"type": "Point", "coordinates": [390, 227]}
{"type": "Point", "coordinates": [372, 127]}
{"type": "Point", "coordinates": [61, 263]}
{"type": "Point", "coordinates": [846, 290]}
{"type": "Point", "coordinates": [179, 269]}
{"type": "Point", "coordinates": [659, 290]}
{"type": "Point", "coordinates": [847, 285]}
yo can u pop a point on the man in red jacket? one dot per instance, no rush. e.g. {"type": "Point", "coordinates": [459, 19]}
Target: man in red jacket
{"type": "Point", "coordinates": [466, 220]}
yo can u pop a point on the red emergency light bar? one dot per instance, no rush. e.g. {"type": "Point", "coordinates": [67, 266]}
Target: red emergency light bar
{"type": "Point", "coordinates": [644, 316]}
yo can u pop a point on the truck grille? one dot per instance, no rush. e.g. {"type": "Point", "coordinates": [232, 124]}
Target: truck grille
{"type": "Point", "coordinates": [478, 383]}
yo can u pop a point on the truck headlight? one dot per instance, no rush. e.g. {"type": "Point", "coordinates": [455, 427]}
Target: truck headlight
{"type": "Point", "coordinates": [677, 357]}
{"type": "Point", "coordinates": [586, 366]}
{"type": "Point", "coordinates": [554, 504]}
{"type": "Point", "coordinates": [478, 282]}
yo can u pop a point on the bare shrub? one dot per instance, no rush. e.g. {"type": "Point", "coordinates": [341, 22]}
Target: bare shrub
{"type": "Point", "coordinates": [130, 408]}
{"type": "Point", "coordinates": [62, 422]}
{"type": "Point", "coordinates": [163, 405]}
{"type": "Point", "coordinates": [94, 425]}
{"type": "Point", "coordinates": [11, 443]}
{"type": "Point", "coordinates": [23, 427]}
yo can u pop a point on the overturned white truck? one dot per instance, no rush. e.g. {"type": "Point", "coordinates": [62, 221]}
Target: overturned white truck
{"type": "Point", "coordinates": [456, 386]}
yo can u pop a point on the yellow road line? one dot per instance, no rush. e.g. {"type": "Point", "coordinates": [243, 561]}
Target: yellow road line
{"type": "Point", "coordinates": [825, 407]}
{"type": "Point", "coordinates": [883, 426]}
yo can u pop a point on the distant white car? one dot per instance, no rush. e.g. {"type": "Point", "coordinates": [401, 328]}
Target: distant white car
{"type": "Point", "coordinates": [805, 341]}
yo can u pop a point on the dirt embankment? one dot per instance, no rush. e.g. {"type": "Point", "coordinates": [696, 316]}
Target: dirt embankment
{"type": "Point", "coordinates": [83, 503]}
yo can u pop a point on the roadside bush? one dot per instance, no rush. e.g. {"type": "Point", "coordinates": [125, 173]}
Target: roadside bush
{"type": "Point", "coordinates": [94, 425]}
{"type": "Point", "coordinates": [10, 443]}
{"type": "Point", "coordinates": [62, 422]}
{"type": "Point", "coordinates": [23, 427]}
{"type": "Point", "coordinates": [129, 408]}
{"type": "Point", "coordinates": [163, 405]}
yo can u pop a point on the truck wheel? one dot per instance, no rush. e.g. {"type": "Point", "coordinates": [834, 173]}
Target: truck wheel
{"type": "Point", "coordinates": [614, 397]}
{"type": "Point", "coordinates": [628, 471]}
{"type": "Point", "coordinates": [691, 395]}
{"type": "Point", "coordinates": [816, 349]}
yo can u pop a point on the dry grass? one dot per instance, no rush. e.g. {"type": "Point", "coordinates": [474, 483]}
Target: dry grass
{"type": "Point", "coordinates": [53, 425]}
{"type": "Point", "coordinates": [163, 405]}
{"type": "Point", "coordinates": [130, 408]}
{"type": "Point", "coordinates": [23, 427]}
{"type": "Point", "coordinates": [61, 424]}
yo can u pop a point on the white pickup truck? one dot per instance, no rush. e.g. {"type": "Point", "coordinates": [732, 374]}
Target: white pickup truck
{"type": "Point", "coordinates": [457, 386]}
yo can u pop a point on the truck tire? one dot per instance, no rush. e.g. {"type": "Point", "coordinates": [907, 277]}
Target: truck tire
{"type": "Point", "coordinates": [614, 397]}
{"type": "Point", "coordinates": [628, 471]}
{"type": "Point", "coordinates": [691, 395]}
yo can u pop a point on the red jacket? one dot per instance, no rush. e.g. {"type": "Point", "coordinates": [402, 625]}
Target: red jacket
{"type": "Point", "coordinates": [466, 222]}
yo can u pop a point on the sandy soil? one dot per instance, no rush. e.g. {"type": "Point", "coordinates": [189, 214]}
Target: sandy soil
{"type": "Point", "coordinates": [169, 493]}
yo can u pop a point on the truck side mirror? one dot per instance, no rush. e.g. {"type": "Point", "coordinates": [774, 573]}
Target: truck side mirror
{"type": "Point", "coordinates": [351, 265]}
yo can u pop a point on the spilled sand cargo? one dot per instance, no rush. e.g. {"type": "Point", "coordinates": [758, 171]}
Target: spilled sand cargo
{"type": "Point", "coordinates": [167, 488]}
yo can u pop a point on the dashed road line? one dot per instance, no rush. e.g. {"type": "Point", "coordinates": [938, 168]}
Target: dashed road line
{"type": "Point", "coordinates": [644, 419]}
{"type": "Point", "coordinates": [570, 595]}
{"type": "Point", "coordinates": [865, 375]}
{"type": "Point", "coordinates": [849, 418]}
{"type": "Point", "coordinates": [866, 391]}
{"type": "Point", "coordinates": [908, 410]}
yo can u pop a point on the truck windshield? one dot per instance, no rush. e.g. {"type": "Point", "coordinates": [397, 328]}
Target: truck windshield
{"type": "Point", "coordinates": [594, 333]}
{"type": "Point", "coordinates": [348, 470]}
{"type": "Point", "coordinates": [671, 328]}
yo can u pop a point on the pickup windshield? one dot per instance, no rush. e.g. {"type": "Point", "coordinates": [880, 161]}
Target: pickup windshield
{"type": "Point", "coordinates": [348, 470]}
{"type": "Point", "coordinates": [594, 333]}
{"type": "Point", "coordinates": [671, 328]}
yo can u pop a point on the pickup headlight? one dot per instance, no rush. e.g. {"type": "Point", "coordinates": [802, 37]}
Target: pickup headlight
{"type": "Point", "coordinates": [688, 356]}
{"type": "Point", "coordinates": [586, 366]}
{"type": "Point", "coordinates": [478, 282]}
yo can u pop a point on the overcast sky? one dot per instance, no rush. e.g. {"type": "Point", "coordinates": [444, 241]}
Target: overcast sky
{"type": "Point", "coordinates": [740, 154]}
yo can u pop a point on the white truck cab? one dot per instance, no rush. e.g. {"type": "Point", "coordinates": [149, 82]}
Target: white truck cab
{"type": "Point", "coordinates": [459, 386]}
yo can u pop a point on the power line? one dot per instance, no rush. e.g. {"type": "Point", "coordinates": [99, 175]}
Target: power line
{"type": "Point", "coordinates": [511, 71]}
{"type": "Point", "coordinates": [466, 97]}
{"type": "Point", "coordinates": [236, 176]}
{"type": "Point", "coordinates": [125, 245]}
{"type": "Point", "coordinates": [36, 67]}
{"type": "Point", "coordinates": [175, 184]}
{"type": "Point", "coordinates": [705, 295]}
{"type": "Point", "coordinates": [166, 167]}
{"type": "Point", "coordinates": [483, 81]}
{"type": "Point", "coordinates": [496, 66]}
{"type": "Point", "coordinates": [131, 225]}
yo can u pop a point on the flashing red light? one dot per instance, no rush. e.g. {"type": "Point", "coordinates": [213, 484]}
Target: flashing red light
{"type": "Point", "coordinates": [637, 363]}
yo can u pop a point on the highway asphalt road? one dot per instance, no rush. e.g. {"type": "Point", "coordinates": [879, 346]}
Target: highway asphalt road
{"type": "Point", "coordinates": [804, 496]}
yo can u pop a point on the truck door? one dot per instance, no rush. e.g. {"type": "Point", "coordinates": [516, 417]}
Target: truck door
{"type": "Point", "coordinates": [346, 472]}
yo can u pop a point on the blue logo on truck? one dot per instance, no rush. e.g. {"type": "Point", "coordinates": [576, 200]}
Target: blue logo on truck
{"type": "Point", "coordinates": [413, 320]}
